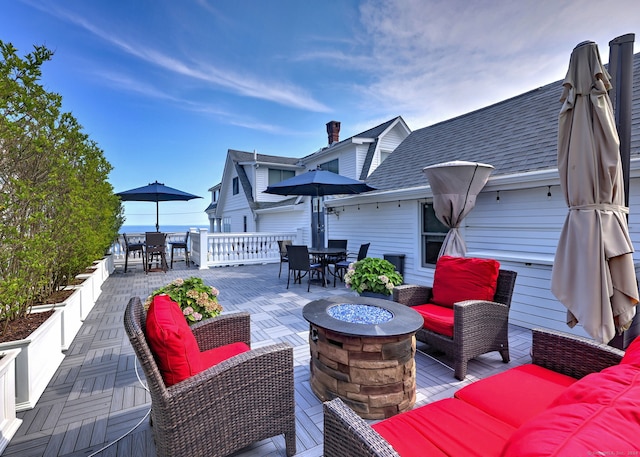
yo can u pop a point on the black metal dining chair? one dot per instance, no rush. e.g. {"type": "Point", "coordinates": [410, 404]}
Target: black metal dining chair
{"type": "Point", "coordinates": [282, 245]}
{"type": "Point", "coordinates": [181, 245]}
{"type": "Point", "coordinates": [156, 247]}
{"type": "Point", "coordinates": [299, 262]}
{"type": "Point", "coordinates": [341, 267]}
{"type": "Point", "coordinates": [132, 248]}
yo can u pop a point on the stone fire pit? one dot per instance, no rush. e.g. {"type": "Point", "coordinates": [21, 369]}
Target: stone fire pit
{"type": "Point", "coordinates": [362, 350]}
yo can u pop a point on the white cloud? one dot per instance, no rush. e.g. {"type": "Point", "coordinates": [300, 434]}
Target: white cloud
{"type": "Point", "coordinates": [226, 78]}
{"type": "Point", "coordinates": [432, 60]}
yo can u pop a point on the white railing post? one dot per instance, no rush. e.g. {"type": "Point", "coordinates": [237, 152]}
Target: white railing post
{"type": "Point", "coordinates": [204, 247]}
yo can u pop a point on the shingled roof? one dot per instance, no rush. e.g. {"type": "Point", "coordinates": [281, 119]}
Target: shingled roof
{"type": "Point", "coordinates": [517, 135]}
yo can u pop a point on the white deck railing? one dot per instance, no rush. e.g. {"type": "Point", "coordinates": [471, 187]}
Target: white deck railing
{"type": "Point", "coordinates": [221, 249]}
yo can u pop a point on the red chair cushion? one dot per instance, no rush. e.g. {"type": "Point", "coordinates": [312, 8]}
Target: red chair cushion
{"type": "Point", "coordinates": [460, 278]}
{"type": "Point", "coordinates": [501, 395]}
{"type": "Point", "coordinates": [216, 355]}
{"type": "Point", "coordinates": [445, 427]}
{"type": "Point", "coordinates": [597, 415]}
{"type": "Point", "coordinates": [171, 340]}
{"type": "Point", "coordinates": [437, 318]}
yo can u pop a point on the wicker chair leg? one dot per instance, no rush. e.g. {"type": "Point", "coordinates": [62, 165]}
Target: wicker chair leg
{"type": "Point", "coordinates": [505, 355]}
{"type": "Point", "coordinates": [290, 442]}
{"type": "Point", "coordinates": [460, 367]}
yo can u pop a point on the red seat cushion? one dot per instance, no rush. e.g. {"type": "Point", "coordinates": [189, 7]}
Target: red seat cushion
{"type": "Point", "coordinates": [171, 340]}
{"type": "Point", "coordinates": [597, 415]}
{"type": "Point", "coordinates": [447, 427]}
{"type": "Point", "coordinates": [501, 395]}
{"type": "Point", "coordinates": [437, 318]}
{"type": "Point", "coordinates": [460, 278]}
{"type": "Point", "coordinates": [216, 355]}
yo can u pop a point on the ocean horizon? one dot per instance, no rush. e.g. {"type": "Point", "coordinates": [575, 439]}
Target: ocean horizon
{"type": "Point", "coordinates": [163, 228]}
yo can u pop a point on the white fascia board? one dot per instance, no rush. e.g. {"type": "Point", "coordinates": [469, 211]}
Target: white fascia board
{"type": "Point", "coordinates": [548, 177]}
{"type": "Point", "coordinates": [280, 209]}
{"type": "Point", "coordinates": [273, 164]}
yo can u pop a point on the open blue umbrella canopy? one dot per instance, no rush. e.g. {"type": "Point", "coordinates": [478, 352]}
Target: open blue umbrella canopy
{"type": "Point", "coordinates": [155, 192]}
{"type": "Point", "coordinates": [318, 183]}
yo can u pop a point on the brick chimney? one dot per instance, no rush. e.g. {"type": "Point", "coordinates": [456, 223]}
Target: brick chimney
{"type": "Point", "coordinates": [333, 130]}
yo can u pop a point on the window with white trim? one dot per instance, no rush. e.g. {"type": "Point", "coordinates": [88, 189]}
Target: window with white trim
{"type": "Point", "coordinates": [276, 175]}
{"type": "Point", "coordinates": [433, 234]}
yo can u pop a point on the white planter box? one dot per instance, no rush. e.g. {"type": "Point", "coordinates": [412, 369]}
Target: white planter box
{"type": "Point", "coordinates": [39, 358]}
{"type": "Point", "coordinates": [9, 423]}
{"type": "Point", "coordinates": [110, 263]}
{"type": "Point", "coordinates": [87, 298]}
{"type": "Point", "coordinates": [71, 316]}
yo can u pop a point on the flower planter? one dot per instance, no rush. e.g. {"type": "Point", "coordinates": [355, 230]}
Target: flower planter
{"type": "Point", "coordinates": [9, 423]}
{"type": "Point", "coordinates": [374, 295]}
{"type": "Point", "coordinates": [38, 360]}
{"type": "Point", "coordinates": [71, 316]}
{"type": "Point", "coordinates": [110, 265]}
{"type": "Point", "coordinates": [88, 293]}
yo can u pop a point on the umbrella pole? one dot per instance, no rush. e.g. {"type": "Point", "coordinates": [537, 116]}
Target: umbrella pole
{"type": "Point", "coordinates": [157, 217]}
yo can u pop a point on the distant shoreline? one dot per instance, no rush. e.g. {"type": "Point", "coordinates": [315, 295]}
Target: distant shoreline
{"type": "Point", "coordinates": [163, 228]}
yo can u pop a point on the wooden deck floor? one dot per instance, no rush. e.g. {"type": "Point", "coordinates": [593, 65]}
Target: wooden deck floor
{"type": "Point", "coordinates": [95, 397]}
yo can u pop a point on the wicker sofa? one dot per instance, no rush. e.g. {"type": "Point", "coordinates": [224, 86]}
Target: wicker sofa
{"type": "Point", "coordinates": [576, 397]}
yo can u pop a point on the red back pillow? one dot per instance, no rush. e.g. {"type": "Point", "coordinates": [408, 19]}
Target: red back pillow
{"type": "Point", "coordinates": [171, 340]}
{"type": "Point", "coordinates": [460, 278]}
{"type": "Point", "coordinates": [632, 354]}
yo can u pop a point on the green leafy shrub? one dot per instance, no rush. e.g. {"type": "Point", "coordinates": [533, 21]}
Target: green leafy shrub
{"type": "Point", "coordinates": [373, 275]}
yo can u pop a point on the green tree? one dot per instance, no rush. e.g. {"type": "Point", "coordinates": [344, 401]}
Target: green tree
{"type": "Point", "coordinates": [58, 211]}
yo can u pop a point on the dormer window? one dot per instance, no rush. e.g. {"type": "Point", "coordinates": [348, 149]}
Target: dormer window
{"type": "Point", "coordinates": [276, 175]}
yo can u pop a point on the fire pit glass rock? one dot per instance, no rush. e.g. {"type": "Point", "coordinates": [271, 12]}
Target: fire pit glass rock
{"type": "Point", "coordinates": [359, 314]}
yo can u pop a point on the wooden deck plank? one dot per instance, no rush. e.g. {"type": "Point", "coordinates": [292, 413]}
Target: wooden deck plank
{"type": "Point", "coordinates": [96, 397]}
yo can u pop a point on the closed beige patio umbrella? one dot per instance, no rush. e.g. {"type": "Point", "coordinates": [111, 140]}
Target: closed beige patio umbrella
{"type": "Point", "coordinates": [593, 273]}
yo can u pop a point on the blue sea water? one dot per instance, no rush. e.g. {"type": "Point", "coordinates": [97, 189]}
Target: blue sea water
{"type": "Point", "coordinates": [163, 228]}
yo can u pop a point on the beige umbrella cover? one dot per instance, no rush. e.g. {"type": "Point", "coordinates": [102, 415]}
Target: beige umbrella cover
{"type": "Point", "coordinates": [455, 186]}
{"type": "Point", "coordinates": [593, 273]}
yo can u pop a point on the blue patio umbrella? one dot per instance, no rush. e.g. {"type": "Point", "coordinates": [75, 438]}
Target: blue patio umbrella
{"type": "Point", "coordinates": [155, 192]}
{"type": "Point", "coordinates": [318, 183]}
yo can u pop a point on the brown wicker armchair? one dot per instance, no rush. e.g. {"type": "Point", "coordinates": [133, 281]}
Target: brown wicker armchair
{"type": "Point", "coordinates": [247, 398]}
{"type": "Point", "coordinates": [478, 326]}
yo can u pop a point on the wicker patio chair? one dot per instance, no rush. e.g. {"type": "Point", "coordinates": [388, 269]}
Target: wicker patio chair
{"type": "Point", "coordinates": [244, 399]}
{"type": "Point", "coordinates": [478, 326]}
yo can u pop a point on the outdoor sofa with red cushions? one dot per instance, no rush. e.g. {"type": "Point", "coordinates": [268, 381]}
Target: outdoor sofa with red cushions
{"type": "Point", "coordinates": [576, 398]}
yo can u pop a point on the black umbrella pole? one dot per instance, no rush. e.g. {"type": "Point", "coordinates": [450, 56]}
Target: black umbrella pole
{"type": "Point", "coordinates": [621, 71]}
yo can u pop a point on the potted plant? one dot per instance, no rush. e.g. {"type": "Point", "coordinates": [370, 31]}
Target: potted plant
{"type": "Point", "coordinates": [373, 277]}
{"type": "Point", "coordinates": [197, 300]}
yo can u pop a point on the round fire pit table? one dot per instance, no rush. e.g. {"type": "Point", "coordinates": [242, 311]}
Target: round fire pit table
{"type": "Point", "coordinates": [362, 350]}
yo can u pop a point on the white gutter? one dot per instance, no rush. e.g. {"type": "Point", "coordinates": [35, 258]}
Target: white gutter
{"type": "Point", "coordinates": [548, 177]}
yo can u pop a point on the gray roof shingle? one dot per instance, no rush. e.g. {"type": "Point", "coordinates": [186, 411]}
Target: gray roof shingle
{"type": "Point", "coordinates": [515, 136]}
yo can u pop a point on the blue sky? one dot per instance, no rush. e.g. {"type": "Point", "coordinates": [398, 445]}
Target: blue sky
{"type": "Point", "coordinates": [167, 87]}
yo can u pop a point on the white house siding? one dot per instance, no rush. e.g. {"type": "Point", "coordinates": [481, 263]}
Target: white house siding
{"type": "Point", "coordinates": [392, 139]}
{"type": "Point", "coordinates": [291, 221]}
{"type": "Point", "coordinates": [237, 220]}
{"type": "Point", "coordinates": [521, 231]}
{"type": "Point", "coordinates": [391, 229]}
